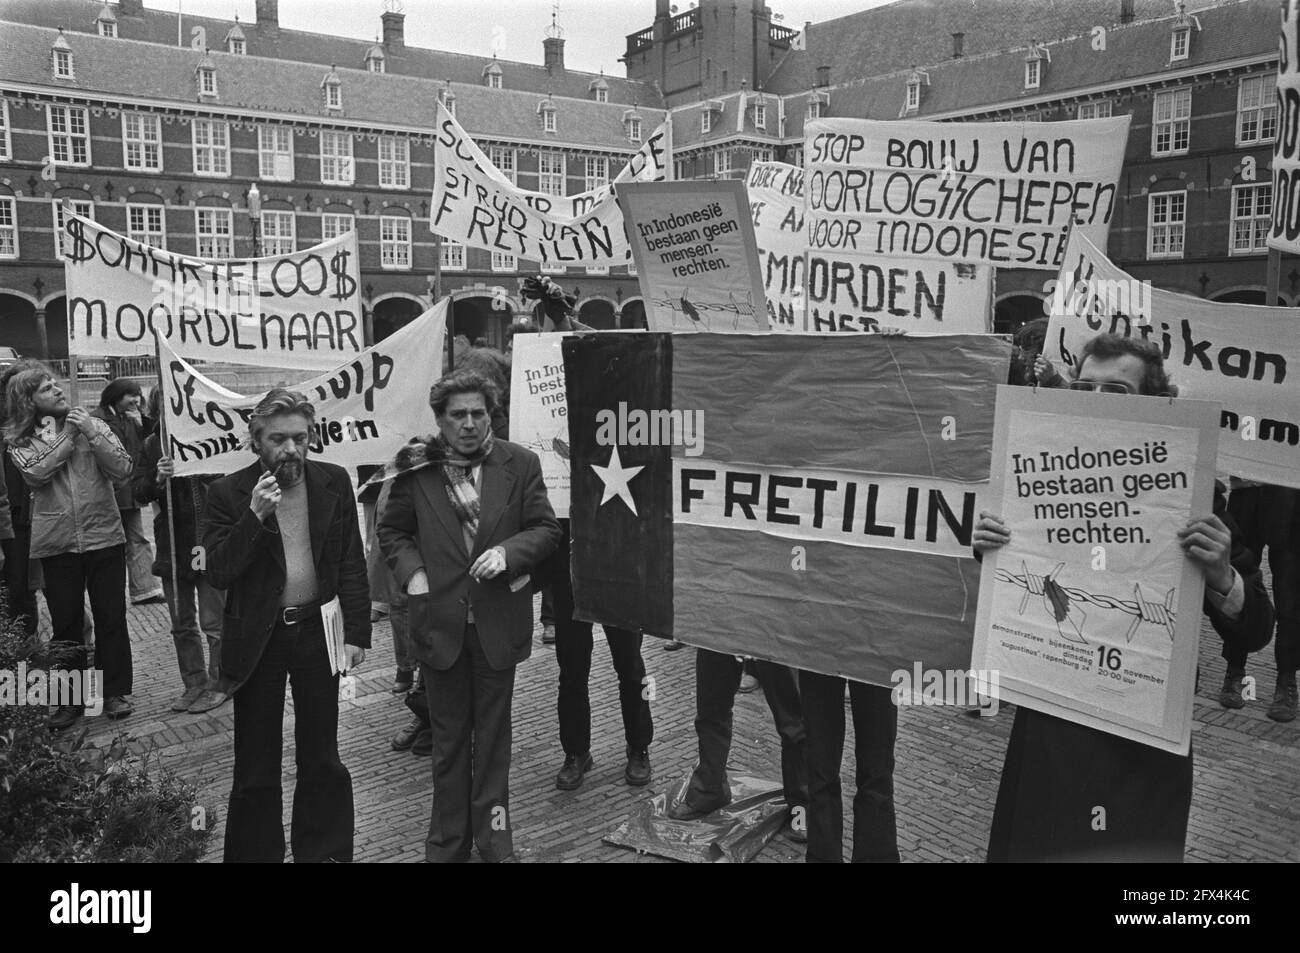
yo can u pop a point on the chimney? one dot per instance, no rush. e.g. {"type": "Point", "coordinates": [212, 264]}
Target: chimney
{"type": "Point", "coordinates": [1126, 14]}
{"type": "Point", "coordinates": [268, 16]}
{"type": "Point", "coordinates": [553, 53]}
{"type": "Point", "coordinates": [958, 45]}
{"type": "Point", "coordinates": [130, 8]}
{"type": "Point", "coordinates": [394, 31]}
{"type": "Point", "coordinates": [823, 76]}
{"type": "Point", "coordinates": [663, 9]}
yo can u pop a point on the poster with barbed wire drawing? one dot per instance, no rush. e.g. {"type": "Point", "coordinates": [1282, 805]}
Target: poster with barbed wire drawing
{"type": "Point", "coordinates": [539, 410]}
{"type": "Point", "coordinates": [696, 255]}
{"type": "Point", "coordinates": [1092, 611]}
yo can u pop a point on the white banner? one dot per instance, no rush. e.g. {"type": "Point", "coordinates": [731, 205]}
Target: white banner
{"type": "Point", "coordinates": [475, 204]}
{"type": "Point", "coordinates": [366, 410]}
{"type": "Point", "coordinates": [296, 310]}
{"type": "Point", "coordinates": [997, 193]}
{"type": "Point", "coordinates": [539, 410]}
{"type": "Point", "coordinates": [1286, 147]}
{"type": "Point", "coordinates": [1246, 356]}
{"type": "Point", "coordinates": [776, 202]}
{"type": "Point", "coordinates": [853, 292]}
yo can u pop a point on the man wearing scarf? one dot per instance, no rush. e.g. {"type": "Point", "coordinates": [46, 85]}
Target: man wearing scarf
{"type": "Point", "coordinates": [465, 525]}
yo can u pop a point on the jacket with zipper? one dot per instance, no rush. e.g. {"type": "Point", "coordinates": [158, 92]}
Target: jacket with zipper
{"type": "Point", "coordinates": [74, 507]}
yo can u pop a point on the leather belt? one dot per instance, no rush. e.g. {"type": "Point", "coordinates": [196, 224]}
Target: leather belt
{"type": "Point", "coordinates": [293, 615]}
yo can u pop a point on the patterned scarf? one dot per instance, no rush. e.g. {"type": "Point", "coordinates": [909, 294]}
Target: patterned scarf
{"type": "Point", "coordinates": [456, 470]}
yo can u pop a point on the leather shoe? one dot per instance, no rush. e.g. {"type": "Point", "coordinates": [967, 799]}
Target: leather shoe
{"type": "Point", "coordinates": [65, 716]}
{"type": "Point", "coordinates": [683, 810]}
{"type": "Point", "coordinates": [575, 769]}
{"type": "Point", "coordinates": [796, 826]}
{"type": "Point", "coordinates": [403, 740]}
{"type": "Point", "coordinates": [1230, 694]}
{"type": "Point", "coordinates": [117, 707]}
{"type": "Point", "coordinates": [422, 747]}
{"type": "Point", "coordinates": [1284, 701]}
{"type": "Point", "coordinates": [402, 683]}
{"type": "Point", "coordinates": [672, 645]}
{"type": "Point", "coordinates": [747, 684]}
{"type": "Point", "coordinates": [209, 700]}
{"type": "Point", "coordinates": [637, 773]}
{"type": "Point", "coordinates": [190, 696]}
{"type": "Point", "coordinates": [548, 634]}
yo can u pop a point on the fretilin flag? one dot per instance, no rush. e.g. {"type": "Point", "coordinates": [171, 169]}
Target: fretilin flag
{"type": "Point", "coordinates": [799, 499]}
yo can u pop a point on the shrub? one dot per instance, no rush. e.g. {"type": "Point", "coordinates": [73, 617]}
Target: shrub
{"type": "Point", "coordinates": [63, 800]}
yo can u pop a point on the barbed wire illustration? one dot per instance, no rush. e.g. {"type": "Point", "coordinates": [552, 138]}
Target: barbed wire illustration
{"type": "Point", "coordinates": [1063, 603]}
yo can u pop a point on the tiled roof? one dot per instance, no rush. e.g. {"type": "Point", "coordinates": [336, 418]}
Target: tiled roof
{"type": "Point", "coordinates": [159, 26]}
{"type": "Point", "coordinates": [107, 67]}
{"type": "Point", "coordinates": [1135, 51]}
{"type": "Point", "coordinates": [917, 32]}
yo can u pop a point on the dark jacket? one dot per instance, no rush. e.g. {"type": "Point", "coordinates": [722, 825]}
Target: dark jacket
{"type": "Point", "coordinates": [1057, 772]}
{"type": "Point", "coordinates": [189, 494]}
{"type": "Point", "coordinates": [19, 493]}
{"type": "Point", "coordinates": [245, 556]}
{"type": "Point", "coordinates": [418, 529]}
{"type": "Point", "coordinates": [130, 435]}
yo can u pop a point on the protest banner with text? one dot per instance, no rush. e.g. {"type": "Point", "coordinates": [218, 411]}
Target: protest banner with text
{"type": "Point", "coordinates": [297, 310]}
{"type": "Point", "coordinates": [539, 410]}
{"type": "Point", "coordinates": [853, 293]}
{"type": "Point", "coordinates": [1092, 612]}
{"type": "Point", "coordinates": [1285, 232]}
{"type": "Point", "coordinates": [696, 256]}
{"type": "Point", "coordinates": [1245, 356]}
{"type": "Point", "coordinates": [366, 409]}
{"type": "Point", "coordinates": [474, 203]}
{"type": "Point", "coordinates": [998, 193]}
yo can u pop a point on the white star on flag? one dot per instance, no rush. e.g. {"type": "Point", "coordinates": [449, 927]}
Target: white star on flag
{"type": "Point", "coordinates": [616, 478]}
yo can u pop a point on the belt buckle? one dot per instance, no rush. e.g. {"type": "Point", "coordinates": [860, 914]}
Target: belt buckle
{"type": "Point", "coordinates": [290, 615]}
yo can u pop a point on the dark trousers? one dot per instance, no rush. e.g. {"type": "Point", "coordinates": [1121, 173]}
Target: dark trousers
{"type": "Point", "coordinates": [717, 677]}
{"type": "Point", "coordinates": [875, 727]}
{"type": "Point", "coordinates": [17, 575]}
{"type": "Point", "coordinates": [573, 647]}
{"type": "Point", "coordinates": [100, 574]}
{"type": "Point", "coordinates": [322, 799]}
{"type": "Point", "coordinates": [469, 711]}
{"type": "Point", "coordinates": [1269, 518]}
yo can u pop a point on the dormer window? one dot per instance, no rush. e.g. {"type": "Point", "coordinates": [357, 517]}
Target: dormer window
{"type": "Point", "coordinates": [206, 72]}
{"type": "Point", "coordinates": [707, 118]}
{"type": "Point", "coordinates": [760, 115]}
{"type": "Point", "coordinates": [1034, 62]}
{"type": "Point", "coordinates": [599, 89]}
{"type": "Point", "coordinates": [602, 95]}
{"type": "Point", "coordinates": [915, 80]}
{"type": "Point", "coordinates": [632, 123]}
{"type": "Point", "coordinates": [818, 103]}
{"type": "Point", "coordinates": [375, 59]}
{"type": "Point", "coordinates": [333, 89]}
{"type": "Point", "coordinates": [546, 109]}
{"type": "Point", "coordinates": [492, 75]}
{"type": "Point", "coordinates": [235, 40]}
{"type": "Point", "coordinates": [1180, 40]}
{"type": "Point", "coordinates": [107, 22]}
{"type": "Point", "coordinates": [61, 58]}
{"type": "Point", "coordinates": [448, 98]}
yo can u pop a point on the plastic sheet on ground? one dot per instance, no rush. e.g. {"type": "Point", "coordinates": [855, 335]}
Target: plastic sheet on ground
{"type": "Point", "coordinates": [733, 834]}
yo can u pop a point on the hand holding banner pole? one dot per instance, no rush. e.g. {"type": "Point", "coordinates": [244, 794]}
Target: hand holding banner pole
{"type": "Point", "coordinates": [164, 450]}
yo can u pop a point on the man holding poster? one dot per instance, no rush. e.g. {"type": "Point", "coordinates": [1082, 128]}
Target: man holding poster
{"type": "Point", "coordinates": [1099, 787]}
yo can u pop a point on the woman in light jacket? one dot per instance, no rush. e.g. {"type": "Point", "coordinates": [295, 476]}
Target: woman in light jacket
{"type": "Point", "coordinates": [72, 461]}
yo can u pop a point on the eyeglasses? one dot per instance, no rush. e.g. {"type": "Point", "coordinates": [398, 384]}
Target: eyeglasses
{"type": "Point", "coordinates": [1101, 387]}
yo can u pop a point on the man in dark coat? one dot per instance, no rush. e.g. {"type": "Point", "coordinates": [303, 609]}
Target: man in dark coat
{"type": "Point", "coordinates": [1058, 773]}
{"type": "Point", "coordinates": [283, 538]}
{"type": "Point", "coordinates": [463, 533]}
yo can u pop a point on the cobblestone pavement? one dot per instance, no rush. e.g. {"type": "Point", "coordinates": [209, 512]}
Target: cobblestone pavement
{"type": "Point", "coordinates": [1245, 807]}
